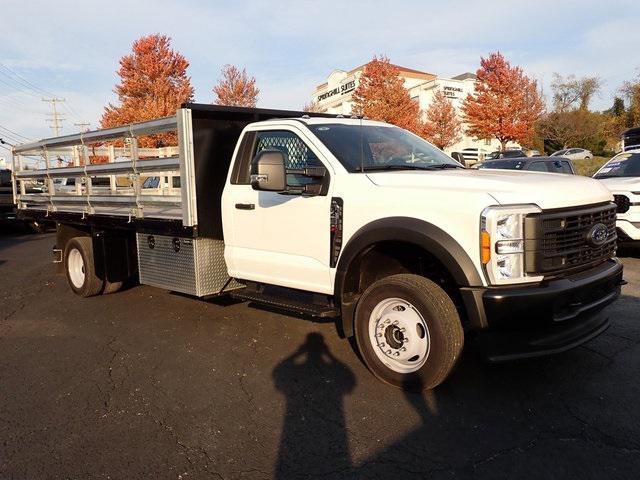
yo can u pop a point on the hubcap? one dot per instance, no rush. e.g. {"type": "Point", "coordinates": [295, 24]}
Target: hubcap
{"type": "Point", "coordinates": [75, 265]}
{"type": "Point", "coordinates": [399, 335]}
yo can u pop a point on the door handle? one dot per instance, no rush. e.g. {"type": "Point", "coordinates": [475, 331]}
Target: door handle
{"type": "Point", "coordinates": [245, 206]}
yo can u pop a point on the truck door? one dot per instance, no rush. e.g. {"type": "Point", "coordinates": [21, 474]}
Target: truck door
{"type": "Point", "coordinates": [277, 238]}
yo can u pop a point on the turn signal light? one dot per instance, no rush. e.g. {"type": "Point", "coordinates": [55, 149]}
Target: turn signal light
{"type": "Point", "coordinates": [485, 247]}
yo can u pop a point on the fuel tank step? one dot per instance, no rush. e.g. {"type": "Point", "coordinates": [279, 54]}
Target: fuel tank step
{"type": "Point", "coordinates": [293, 302]}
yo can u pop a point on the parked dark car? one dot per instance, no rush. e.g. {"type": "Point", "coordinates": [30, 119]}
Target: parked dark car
{"type": "Point", "coordinates": [8, 208]}
{"type": "Point", "coordinates": [508, 154]}
{"type": "Point", "coordinates": [631, 139]}
{"type": "Point", "coordinates": [535, 164]}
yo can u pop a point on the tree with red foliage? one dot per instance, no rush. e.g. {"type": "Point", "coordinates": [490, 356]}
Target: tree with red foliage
{"type": "Point", "coordinates": [312, 107]}
{"type": "Point", "coordinates": [154, 83]}
{"type": "Point", "coordinates": [236, 88]}
{"type": "Point", "coordinates": [381, 95]}
{"type": "Point", "coordinates": [443, 127]}
{"type": "Point", "coordinates": [505, 105]}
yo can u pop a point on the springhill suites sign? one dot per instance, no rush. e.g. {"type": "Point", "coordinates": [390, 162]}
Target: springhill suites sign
{"type": "Point", "coordinates": [341, 90]}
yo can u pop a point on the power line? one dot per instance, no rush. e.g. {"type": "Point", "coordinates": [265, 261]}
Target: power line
{"type": "Point", "coordinates": [56, 120]}
{"type": "Point", "coordinates": [4, 137]}
{"type": "Point", "coordinates": [25, 86]}
{"type": "Point", "coordinates": [14, 133]}
{"type": "Point", "coordinates": [84, 126]}
{"type": "Point", "coordinates": [26, 82]}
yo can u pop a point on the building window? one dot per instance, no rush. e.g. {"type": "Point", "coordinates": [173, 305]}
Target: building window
{"type": "Point", "coordinates": [487, 141]}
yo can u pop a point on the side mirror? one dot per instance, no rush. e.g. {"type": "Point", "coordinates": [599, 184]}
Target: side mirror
{"type": "Point", "coordinates": [268, 172]}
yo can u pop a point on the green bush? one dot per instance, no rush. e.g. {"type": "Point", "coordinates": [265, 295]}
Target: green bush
{"type": "Point", "coordinates": [589, 167]}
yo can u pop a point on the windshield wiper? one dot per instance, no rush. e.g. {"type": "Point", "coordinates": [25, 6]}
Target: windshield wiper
{"type": "Point", "coordinates": [373, 168]}
{"type": "Point", "coordinates": [443, 166]}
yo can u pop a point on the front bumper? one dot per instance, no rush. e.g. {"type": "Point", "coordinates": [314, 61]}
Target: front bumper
{"type": "Point", "coordinates": [551, 317]}
{"type": "Point", "coordinates": [628, 230]}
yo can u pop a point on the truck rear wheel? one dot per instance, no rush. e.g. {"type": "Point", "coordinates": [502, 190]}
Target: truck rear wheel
{"type": "Point", "coordinates": [80, 268]}
{"type": "Point", "coordinates": [408, 331]}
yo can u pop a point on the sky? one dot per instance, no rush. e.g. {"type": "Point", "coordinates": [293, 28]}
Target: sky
{"type": "Point", "coordinates": [71, 49]}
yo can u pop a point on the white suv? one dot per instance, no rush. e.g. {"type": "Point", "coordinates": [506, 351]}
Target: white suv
{"type": "Point", "coordinates": [621, 175]}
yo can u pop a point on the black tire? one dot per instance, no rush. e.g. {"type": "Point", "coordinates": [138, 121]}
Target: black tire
{"type": "Point", "coordinates": [92, 285]}
{"type": "Point", "coordinates": [445, 333]}
{"type": "Point", "coordinates": [111, 287]}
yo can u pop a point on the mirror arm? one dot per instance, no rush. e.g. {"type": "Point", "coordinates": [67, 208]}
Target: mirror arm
{"type": "Point", "coordinates": [313, 172]}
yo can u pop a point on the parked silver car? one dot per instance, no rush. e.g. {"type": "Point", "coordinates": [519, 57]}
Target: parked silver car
{"type": "Point", "coordinates": [574, 153]}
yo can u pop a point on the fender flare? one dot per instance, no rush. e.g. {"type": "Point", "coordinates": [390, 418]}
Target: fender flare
{"type": "Point", "coordinates": [404, 229]}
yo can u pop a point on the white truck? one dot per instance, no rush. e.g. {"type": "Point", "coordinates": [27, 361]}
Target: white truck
{"type": "Point", "coordinates": [340, 217]}
{"type": "Point", "coordinates": [621, 175]}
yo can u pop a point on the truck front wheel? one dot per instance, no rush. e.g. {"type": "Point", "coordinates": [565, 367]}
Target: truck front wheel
{"type": "Point", "coordinates": [80, 268]}
{"type": "Point", "coordinates": [408, 331]}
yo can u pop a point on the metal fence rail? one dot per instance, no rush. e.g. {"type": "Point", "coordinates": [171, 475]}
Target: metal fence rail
{"type": "Point", "coordinates": [130, 161]}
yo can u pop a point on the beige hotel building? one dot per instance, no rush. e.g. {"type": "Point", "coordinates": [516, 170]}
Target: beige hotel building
{"type": "Point", "coordinates": [335, 96]}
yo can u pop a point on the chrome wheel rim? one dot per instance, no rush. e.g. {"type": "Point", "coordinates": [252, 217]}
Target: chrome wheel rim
{"type": "Point", "coordinates": [75, 266]}
{"type": "Point", "coordinates": [399, 335]}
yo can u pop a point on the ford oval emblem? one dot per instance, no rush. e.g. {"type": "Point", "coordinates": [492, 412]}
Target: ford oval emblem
{"type": "Point", "coordinates": [598, 234]}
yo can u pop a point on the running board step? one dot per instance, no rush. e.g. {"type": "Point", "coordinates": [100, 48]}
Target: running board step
{"type": "Point", "coordinates": [286, 303]}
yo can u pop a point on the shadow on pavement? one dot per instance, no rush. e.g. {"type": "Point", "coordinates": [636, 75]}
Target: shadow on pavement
{"type": "Point", "coordinates": [507, 417]}
{"type": "Point", "coordinates": [12, 234]}
{"type": "Point", "coordinates": [314, 435]}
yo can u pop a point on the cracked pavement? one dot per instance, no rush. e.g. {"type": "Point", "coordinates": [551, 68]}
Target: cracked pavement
{"type": "Point", "coordinates": [149, 384]}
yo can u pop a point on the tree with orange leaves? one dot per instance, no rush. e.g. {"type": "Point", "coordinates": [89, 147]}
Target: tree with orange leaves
{"type": "Point", "coordinates": [312, 107]}
{"type": "Point", "coordinates": [505, 104]}
{"type": "Point", "coordinates": [154, 83]}
{"type": "Point", "coordinates": [443, 127]}
{"type": "Point", "coordinates": [381, 95]}
{"type": "Point", "coordinates": [236, 88]}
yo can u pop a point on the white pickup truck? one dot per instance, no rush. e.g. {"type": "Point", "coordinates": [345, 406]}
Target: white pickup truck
{"type": "Point", "coordinates": [346, 218]}
{"type": "Point", "coordinates": [621, 175]}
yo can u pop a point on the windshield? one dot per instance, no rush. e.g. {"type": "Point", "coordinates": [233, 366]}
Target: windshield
{"type": "Point", "coordinates": [622, 165]}
{"type": "Point", "coordinates": [371, 147]}
{"type": "Point", "coordinates": [151, 182]}
{"type": "Point", "coordinates": [504, 164]}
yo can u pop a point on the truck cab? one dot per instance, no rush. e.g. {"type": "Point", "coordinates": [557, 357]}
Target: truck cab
{"type": "Point", "coordinates": [409, 251]}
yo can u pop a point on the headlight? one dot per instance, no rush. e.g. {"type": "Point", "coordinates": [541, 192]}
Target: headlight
{"type": "Point", "coordinates": [502, 239]}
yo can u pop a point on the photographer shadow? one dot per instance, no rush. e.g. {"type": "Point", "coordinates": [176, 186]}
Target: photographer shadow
{"type": "Point", "coordinates": [314, 440]}
{"type": "Point", "coordinates": [314, 434]}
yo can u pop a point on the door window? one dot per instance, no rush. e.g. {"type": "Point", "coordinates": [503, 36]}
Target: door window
{"type": "Point", "coordinates": [538, 167]}
{"type": "Point", "coordinates": [297, 155]}
{"type": "Point", "coordinates": [559, 166]}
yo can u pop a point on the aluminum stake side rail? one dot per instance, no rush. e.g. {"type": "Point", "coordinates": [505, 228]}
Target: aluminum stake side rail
{"type": "Point", "coordinates": [332, 217]}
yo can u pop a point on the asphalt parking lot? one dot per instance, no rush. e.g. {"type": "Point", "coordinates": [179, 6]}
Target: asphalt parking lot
{"type": "Point", "coordinates": [149, 384]}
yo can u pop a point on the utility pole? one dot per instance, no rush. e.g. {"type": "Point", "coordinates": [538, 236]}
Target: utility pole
{"type": "Point", "coordinates": [56, 118]}
{"type": "Point", "coordinates": [84, 126]}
